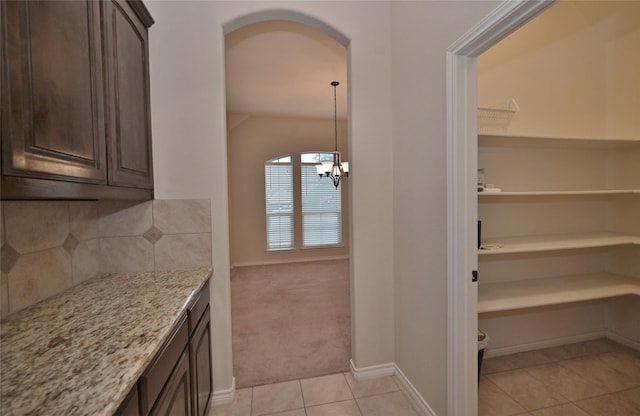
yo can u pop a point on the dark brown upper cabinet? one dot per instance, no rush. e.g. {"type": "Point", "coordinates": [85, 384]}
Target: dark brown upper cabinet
{"type": "Point", "coordinates": [75, 100]}
{"type": "Point", "coordinates": [129, 139]}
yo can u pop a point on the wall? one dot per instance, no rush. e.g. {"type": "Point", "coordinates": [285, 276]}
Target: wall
{"type": "Point", "coordinates": [573, 71]}
{"type": "Point", "coordinates": [50, 246]}
{"type": "Point", "coordinates": [190, 154]}
{"type": "Point", "coordinates": [252, 142]}
{"type": "Point", "coordinates": [621, 317]}
{"type": "Point", "coordinates": [421, 34]}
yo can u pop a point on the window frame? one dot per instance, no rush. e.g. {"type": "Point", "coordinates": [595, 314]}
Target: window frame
{"type": "Point", "coordinates": [298, 164]}
{"type": "Point", "coordinates": [330, 188]}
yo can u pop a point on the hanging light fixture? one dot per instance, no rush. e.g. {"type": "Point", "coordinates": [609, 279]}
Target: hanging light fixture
{"type": "Point", "coordinates": [335, 169]}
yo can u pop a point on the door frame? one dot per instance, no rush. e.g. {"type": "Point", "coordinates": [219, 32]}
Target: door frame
{"type": "Point", "coordinates": [462, 204]}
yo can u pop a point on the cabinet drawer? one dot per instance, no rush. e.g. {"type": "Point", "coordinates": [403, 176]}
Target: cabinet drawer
{"type": "Point", "coordinates": [198, 307]}
{"type": "Point", "coordinates": [157, 374]}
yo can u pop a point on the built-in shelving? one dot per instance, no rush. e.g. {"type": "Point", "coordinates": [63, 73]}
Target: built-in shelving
{"type": "Point", "coordinates": [495, 297]}
{"type": "Point", "coordinates": [540, 177]}
{"type": "Point", "coordinates": [532, 244]}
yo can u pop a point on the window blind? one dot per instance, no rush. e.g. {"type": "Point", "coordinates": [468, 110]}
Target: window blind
{"type": "Point", "coordinates": [278, 174]}
{"type": "Point", "coordinates": [321, 209]}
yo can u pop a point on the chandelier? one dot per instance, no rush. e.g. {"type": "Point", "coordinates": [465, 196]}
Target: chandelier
{"type": "Point", "coordinates": [335, 170]}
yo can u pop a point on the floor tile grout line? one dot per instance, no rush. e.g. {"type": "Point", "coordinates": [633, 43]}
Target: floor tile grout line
{"type": "Point", "coordinates": [598, 357]}
{"type": "Point", "coordinates": [332, 402]}
{"type": "Point", "coordinates": [253, 390]}
{"type": "Point", "coordinates": [304, 404]}
{"type": "Point", "coordinates": [355, 399]}
{"type": "Point", "coordinates": [507, 394]}
{"type": "Point", "coordinates": [595, 356]}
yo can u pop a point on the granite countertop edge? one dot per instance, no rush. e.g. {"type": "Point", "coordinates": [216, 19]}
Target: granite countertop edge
{"type": "Point", "coordinates": [81, 351]}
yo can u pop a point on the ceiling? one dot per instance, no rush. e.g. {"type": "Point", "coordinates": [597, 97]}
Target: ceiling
{"type": "Point", "coordinates": [284, 68]}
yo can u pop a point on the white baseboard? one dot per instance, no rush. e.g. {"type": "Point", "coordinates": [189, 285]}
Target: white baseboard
{"type": "Point", "coordinates": [220, 397]}
{"type": "Point", "coordinates": [621, 339]}
{"type": "Point", "coordinates": [547, 343]}
{"type": "Point", "coordinates": [287, 261]}
{"type": "Point", "coordinates": [374, 371]}
{"type": "Point", "coordinates": [391, 369]}
{"type": "Point", "coordinates": [418, 401]}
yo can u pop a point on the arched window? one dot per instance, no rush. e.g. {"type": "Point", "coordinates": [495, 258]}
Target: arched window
{"type": "Point", "coordinates": [320, 211]}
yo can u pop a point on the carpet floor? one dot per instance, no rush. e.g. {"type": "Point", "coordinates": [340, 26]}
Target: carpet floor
{"type": "Point", "coordinates": [290, 321]}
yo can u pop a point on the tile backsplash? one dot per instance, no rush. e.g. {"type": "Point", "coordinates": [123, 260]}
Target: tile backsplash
{"type": "Point", "coordinates": [49, 246]}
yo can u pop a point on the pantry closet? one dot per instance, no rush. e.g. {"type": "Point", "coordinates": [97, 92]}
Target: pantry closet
{"type": "Point", "coordinates": [559, 143]}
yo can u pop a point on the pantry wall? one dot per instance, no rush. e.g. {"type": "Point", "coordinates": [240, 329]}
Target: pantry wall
{"type": "Point", "coordinates": [560, 256]}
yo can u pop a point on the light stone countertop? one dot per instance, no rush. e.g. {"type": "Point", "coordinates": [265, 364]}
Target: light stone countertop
{"type": "Point", "coordinates": [80, 352]}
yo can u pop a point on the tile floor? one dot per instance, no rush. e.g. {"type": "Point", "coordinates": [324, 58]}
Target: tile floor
{"type": "Point", "coordinates": [333, 395]}
{"type": "Point", "coordinates": [593, 378]}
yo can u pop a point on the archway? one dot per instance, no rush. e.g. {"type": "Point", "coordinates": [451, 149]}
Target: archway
{"type": "Point", "coordinates": [263, 346]}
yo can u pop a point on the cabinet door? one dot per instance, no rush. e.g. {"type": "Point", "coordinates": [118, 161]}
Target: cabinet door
{"type": "Point", "coordinates": [154, 379]}
{"type": "Point", "coordinates": [201, 372]}
{"type": "Point", "coordinates": [129, 138]}
{"type": "Point", "coordinates": [53, 124]}
{"type": "Point", "coordinates": [131, 405]}
{"type": "Point", "coordinates": [175, 399]}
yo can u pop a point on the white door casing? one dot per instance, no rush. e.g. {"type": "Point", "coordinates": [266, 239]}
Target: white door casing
{"type": "Point", "coordinates": [462, 160]}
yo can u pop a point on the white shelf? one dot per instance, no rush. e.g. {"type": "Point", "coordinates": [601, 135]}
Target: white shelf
{"type": "Point", "coordinates": [500, 139]}
{"type": "Point", "coordinates": [531, 244]}
{"type": "Point", "coordinates": [560, 193]}
{"type": "Point", "coordinates": [495, 297]}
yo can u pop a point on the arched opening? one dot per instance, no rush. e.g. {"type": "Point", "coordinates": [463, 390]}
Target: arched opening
{"type": "Point", "coordinates": [290, 299]}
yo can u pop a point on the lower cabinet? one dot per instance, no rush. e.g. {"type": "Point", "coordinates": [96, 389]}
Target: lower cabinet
{"type": "Point", "coordinates": [175, 399]}
{"type": "Point", "coordinates": [131, 405]}
{"type": "Point", "coordinates": [200, 348]}
{"type": "Point", "coordinates": [178, 382]}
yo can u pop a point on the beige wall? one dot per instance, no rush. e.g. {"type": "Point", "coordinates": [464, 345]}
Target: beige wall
{"type": "Point", "coordinates": [397, 258]}
{"type": "Point", "coordinates": [622, 318]}
{"type": "Point", "coordinates": [573, 71]}
{"type": "Point", "coordinates": [50, 246]}
{"type": "Point", "coordinates": [253, 141]}
{"type": "Point", "coordinates": [188, 120]}
{"type": "Point", "coordinates": [421, 34]}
